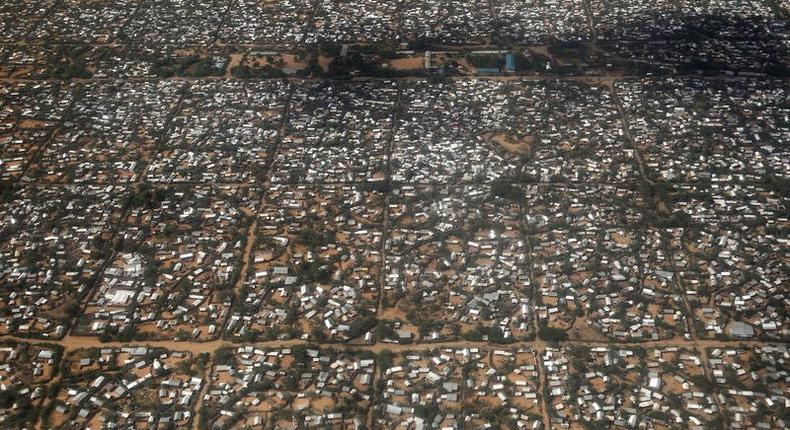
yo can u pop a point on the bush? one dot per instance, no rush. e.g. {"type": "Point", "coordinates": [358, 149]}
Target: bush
{"type": "Point", "coordinates": [361, 325]}
{"type": "Point", "coordinates": [552, 334]}
{"type": "Point", "coordinates": [384, 360]}
{"type": "Point", "coordinates": [506, 191]}
{"type": "Point", "coordinates": [246, 72]}
{"type": "Point", "coordinates": [223, 356]}
{"type": "Point", "coordinates": [486, 61]}
{"type": "Point", "coordinates": [702, 382]}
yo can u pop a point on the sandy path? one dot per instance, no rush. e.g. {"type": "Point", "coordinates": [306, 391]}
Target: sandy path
{"type": "Point", "coordinates": [71, 342]}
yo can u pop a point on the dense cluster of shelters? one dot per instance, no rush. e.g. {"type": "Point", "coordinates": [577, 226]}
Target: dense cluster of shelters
{"type": "Point", "coordinates": [543, 131]}
{"type": "Point", "coordinates": [176, 22]}
{"type": "Point", "coordinates": [466, 387]}
{"type": "Point", "coordinates": [732, 259]}
{"type": "Point", "coordinates": [127, 37]}
{"type": "Point", "coordinates": [425, 384]}
{"type": "Point", "coordinates": [29, 114]}
{"type": "Point", "coordinates": [276, 23]}
{"type": "Point", "coordinates": [111, 127]}
{"type": "Point", "coordinates": [78, 21]}
{"type": "Point", "coordinates": [702, 130]}
{"type": "Point", "coordinates": [456, 266]}
{"type": "Point", "coordinates": [539, 22]}
{"type": "Point", "coordinates": [25, 371]}
{"type": "Point", "coordinates": [224, 131]}
{"type": "Point", "coordinates": [336, 133]}
{"type": "Point", "coordinates": [441, 135]}
{"type": "Point", "coordinates": [677, 36]}
{"type": "Point", "coordinates": [145, 196]}
{"type": "Point", "coordinates": [289, 388]}
{"type": "Point", "coordinates": [752, 383]}
{"type": "Point", "coordinates": [695, 247]}
{"type": "Point", "coordinates": [634, 20]}
{"type": "Point", "coordinates": [629, 388]}
{"type": "Point", "coordinates": [452, 22]}
{"type": "Point", "coordinates": [54, 243]}
{"type": "Point", "coordinates": [176, 269]}
{"type": "Point", "coordinates": [17, 18]}
{"type": "Point", "coordinates": [286, 23]}
{"type": "Point", "coordinates": [314, 269]}
{"type": "Point", "coordinates": [125, 387]}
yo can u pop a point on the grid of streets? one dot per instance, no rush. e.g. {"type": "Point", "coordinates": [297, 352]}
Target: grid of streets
{"type": "Point", "coordinates": [526, 252]}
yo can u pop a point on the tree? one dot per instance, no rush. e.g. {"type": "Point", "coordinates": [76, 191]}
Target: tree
{"type": "Point", "coordinates": [552, 334]}
{"type": "Point", "coordinates": [384, 359]}
{"type": "Point", "coordinates": [361, 325]}
{"type": "Point", "coordinates": [506, 191]}
{"type": "Point", "coordinates": [223, 356]}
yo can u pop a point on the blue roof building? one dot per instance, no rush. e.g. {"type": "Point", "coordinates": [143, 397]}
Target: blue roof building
{"type": "Point", "coordinates": [488, 71]}
{"type": "Point", "coordinates": [510, 62]}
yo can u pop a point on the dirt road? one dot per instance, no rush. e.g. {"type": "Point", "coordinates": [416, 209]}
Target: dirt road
{"type": "Point", "coordinates": [71, 342]}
